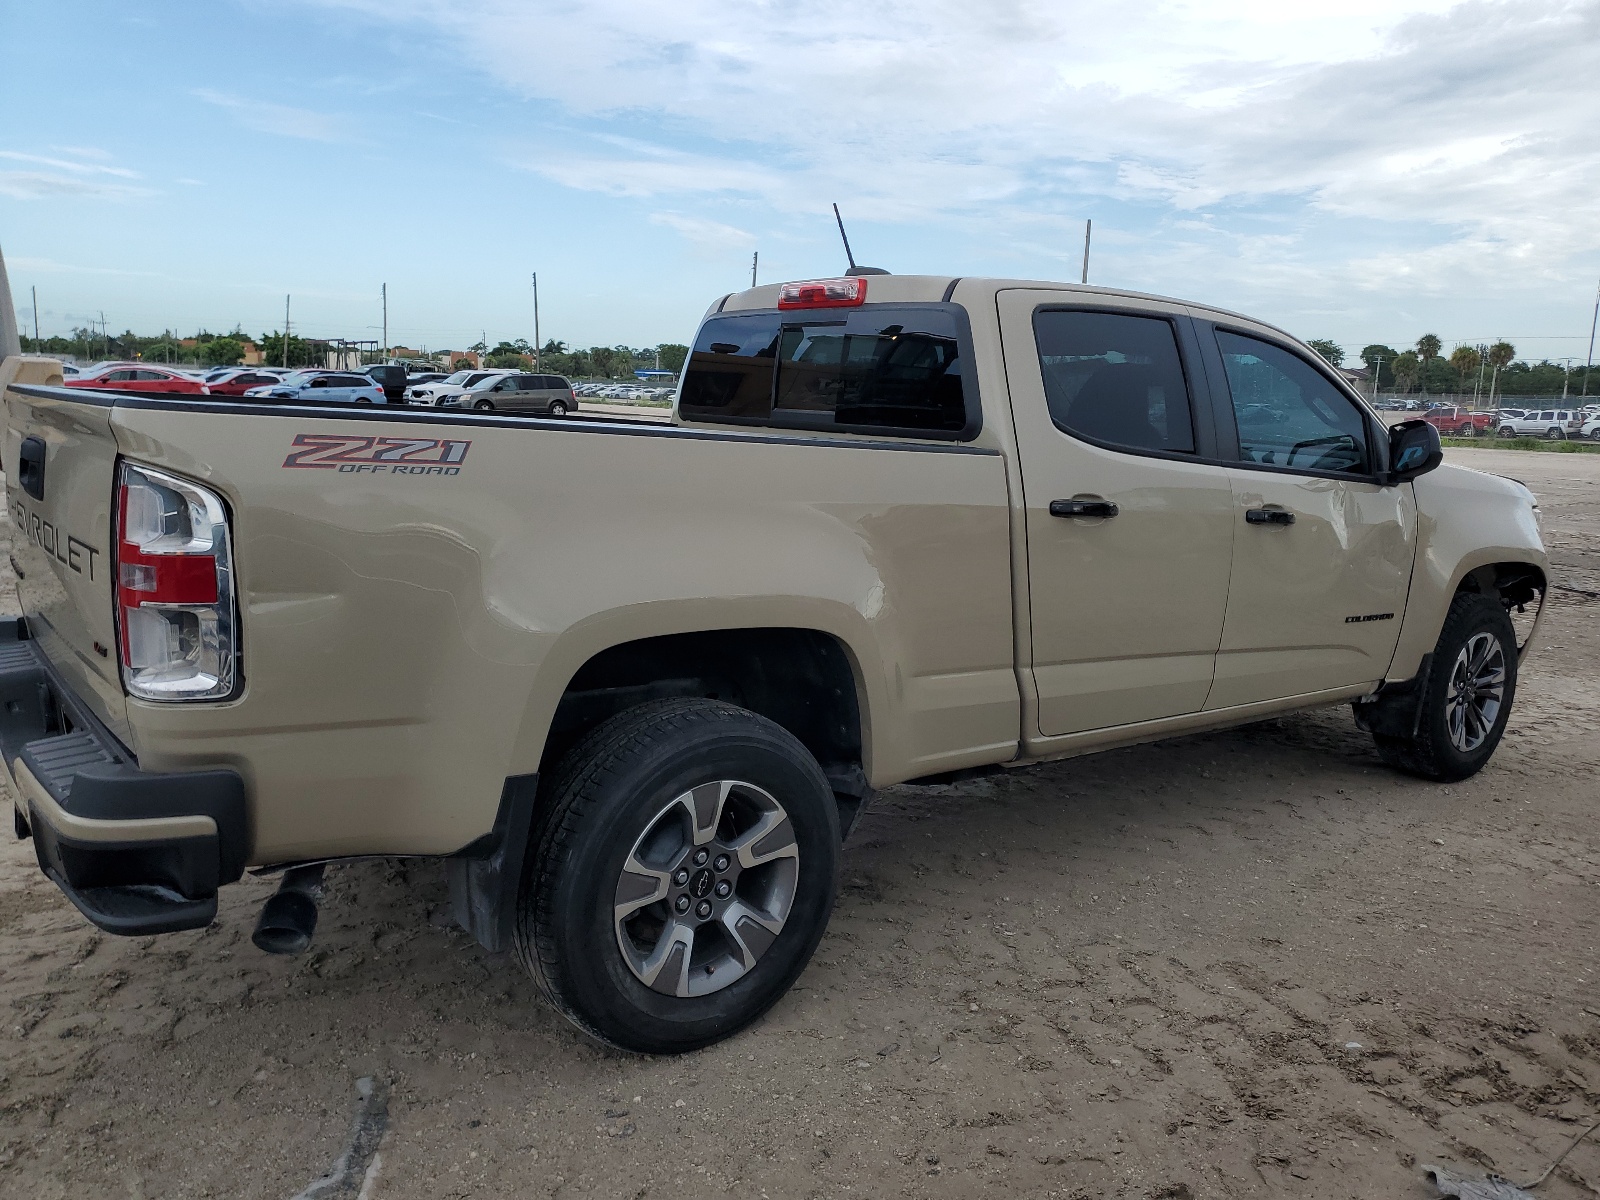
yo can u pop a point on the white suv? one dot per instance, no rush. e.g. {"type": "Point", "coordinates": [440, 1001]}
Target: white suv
{"type": "Point", "coordinates": [455, 385]}
{"type": "Point", "coordinates": [1551, 423]}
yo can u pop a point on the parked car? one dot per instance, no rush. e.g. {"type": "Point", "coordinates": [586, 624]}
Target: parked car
{"type": "Point", "coordinates": [1509, 413]}
{"type": "Point", "coordinates": [141, 379]}
{"type": "Point", "coordinates": [1590, 427]}
{"type": "Point", "coordinates": [633, 684]}
{"type": "Point", "coordinates": [236, 381]}
{"type": "Point", "coordinates": [332, 387]}
{"type": "Point", "coordinates": [393, 379]}
{"type": "Point", "coordinates": [518, 393]}
{"type": "Point", "coordinates": [1459, 422]}
{"type": "Point", "coordinates": [1552, 423]}
{"type": "Point", "coordinates": [429, 393]}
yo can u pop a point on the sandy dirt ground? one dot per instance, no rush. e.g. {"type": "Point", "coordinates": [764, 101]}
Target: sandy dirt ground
{"type": "Point", "coordinates": [1254, 963]}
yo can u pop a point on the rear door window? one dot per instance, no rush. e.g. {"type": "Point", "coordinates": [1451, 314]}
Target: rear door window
{"type": "Point", "coordinates": [875, 369]}
{"type": "Point", "coordinates": [1115, 379]}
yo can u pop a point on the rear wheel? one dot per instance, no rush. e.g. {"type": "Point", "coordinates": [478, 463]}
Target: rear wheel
{"type": "Point", "coordinates": [681, 875]}
{"type": "Point", "coordinates": [1468, 697]}
{"type": "Point", "coordinates": [1554, 434]}
{"type": "Point", "coordinates": [1507, 432]}
{"type": "Point", "coordinates": [558, 408]}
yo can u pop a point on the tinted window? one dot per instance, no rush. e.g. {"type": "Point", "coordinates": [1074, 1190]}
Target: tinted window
{"type": "Point", "coordinates": [119, 377]}
{"type": "Point", "coordinates": [880, 367]}
{"type": "Point", "coordinates": [1110, 377]}
{"type": "Point", "coordinates": [1289, 414]}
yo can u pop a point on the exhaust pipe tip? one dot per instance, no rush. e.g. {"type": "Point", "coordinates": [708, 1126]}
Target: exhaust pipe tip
{"type": "Point", "coordinates": [288, 919]}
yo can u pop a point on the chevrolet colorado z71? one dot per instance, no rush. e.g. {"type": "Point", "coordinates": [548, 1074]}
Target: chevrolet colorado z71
{"type": "Point", "coordinates": [634, 682]}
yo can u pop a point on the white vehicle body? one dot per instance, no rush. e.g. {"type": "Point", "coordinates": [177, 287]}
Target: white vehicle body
{"type": "Point", "coordinates": [1549, 422]}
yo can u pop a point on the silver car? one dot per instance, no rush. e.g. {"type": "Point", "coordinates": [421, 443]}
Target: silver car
{"type": "Point", "coordinates": [519, 393]}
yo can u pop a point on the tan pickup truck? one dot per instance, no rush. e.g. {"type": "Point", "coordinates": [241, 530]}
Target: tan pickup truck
{"type": "Point", "coordinates": [633, 683]}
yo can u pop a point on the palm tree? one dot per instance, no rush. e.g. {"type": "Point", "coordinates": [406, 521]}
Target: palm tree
{"type": "Point", "coordinates": [1466, 360]}
{"type": "Point", "coordinates": [1500, 356]}
{"type": "Point", "coordinates": [1427, 350]}
{"type": "Point", "coordinates": [1406, 367]}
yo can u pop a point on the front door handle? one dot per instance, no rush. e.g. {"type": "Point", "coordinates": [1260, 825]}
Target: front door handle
{"type": "Point", "coordinates": [1269, 516]}
{"type": "Point", "coordinates": [1083, 508]}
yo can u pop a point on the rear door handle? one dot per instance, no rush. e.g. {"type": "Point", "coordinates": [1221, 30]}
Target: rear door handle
{"type": "Point", "coordinates": [1269, 516]}
{"type": "Point", "coordinates": [30, 467]}
{"type": "Point", "coordinates": [1083, 508]}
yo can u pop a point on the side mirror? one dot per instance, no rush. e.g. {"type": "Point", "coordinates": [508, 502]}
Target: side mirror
{"type": "Point", "coordinates": [1414, 449]}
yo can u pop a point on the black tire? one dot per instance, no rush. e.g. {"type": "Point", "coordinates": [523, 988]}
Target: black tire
{"type": "Point", "coordinates": [1554, 434]}
{"type": "Point", "coordinates": [604, 795]}
{"type": "Point", "coordinates": [558, 408]}
{"type": "Point", "coordinates": [1507, 432]}
{"type": "Point", "coordinates": [484, 406]}
{"type": "Point", "coordinates": [1432, 753]}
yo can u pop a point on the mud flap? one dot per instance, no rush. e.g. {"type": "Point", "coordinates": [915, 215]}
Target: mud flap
{"type": "Point", "coordinates": [485, 875]}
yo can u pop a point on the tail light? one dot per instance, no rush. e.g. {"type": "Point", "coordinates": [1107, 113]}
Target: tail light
{"type": "Point", "coordinates": [824, 293]}
{"type": "Point", "coordinates": [175, 601]}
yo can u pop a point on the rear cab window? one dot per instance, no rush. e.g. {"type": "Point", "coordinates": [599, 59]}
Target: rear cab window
{"type": "Point", "coordinates": [902, 369]}
{"type": "Point", "coordinates": [1115, 379]}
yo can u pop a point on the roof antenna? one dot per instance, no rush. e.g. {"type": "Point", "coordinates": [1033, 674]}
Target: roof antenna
{"type": "Point", "coordinates": [854, 270]}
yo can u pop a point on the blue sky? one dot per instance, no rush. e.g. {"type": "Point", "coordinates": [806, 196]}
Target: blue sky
{"type": "Point", "coordinates": [1350, 169]}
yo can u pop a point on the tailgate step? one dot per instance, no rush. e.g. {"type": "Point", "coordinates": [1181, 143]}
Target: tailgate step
{"type": "Point", "coordinates": [54, 761]}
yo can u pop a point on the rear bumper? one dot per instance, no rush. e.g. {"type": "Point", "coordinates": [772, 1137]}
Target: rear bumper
{"type": "Point", "coordinates": [138, 852]}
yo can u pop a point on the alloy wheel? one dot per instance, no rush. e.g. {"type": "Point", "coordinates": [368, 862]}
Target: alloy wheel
{"type": "Point", "coordinates": [1475, 692]}
{"type": "Point", "coordinates": [706, 889]}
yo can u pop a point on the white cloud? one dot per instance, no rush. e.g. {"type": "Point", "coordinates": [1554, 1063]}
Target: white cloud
{"type": "Point", "coordinates": [280, 119]}
{"type": "Point", "coordinates": [705, 235]}
{"type": "Point", "coordinates": [78, 168]}
{"type": "Point", "coordinates": [1473, 119]}
{"type": "Point", "coordinates": [40, 185]}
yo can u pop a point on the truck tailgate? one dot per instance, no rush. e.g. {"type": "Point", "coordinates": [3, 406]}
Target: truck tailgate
{"type": "Point", "coordinates": [60, 462]}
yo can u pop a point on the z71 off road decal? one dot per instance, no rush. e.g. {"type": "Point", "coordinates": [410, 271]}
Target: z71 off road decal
{"type": "Point", "coordinates": [377, 455]}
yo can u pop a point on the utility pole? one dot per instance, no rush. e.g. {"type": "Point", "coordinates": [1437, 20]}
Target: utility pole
{"type": "Point", "coordinates": [1592, 323]}
{"type": "Point", "coordinates": [105, 335]}
{"type": "Point", "coordinates": [1088, 228]}
{"type": "Point", "coordinates": [35, 319]}
{"type": "Point", "coordinates": [1483, 357]}
{"type": "Point", "coordinates": [1377, 370]}
{"type": "Point", "coordinates": [286, 333]}
{"type": "Point", "coordinates": [1566, 378]}
{"type": "Point", "coordinates": [754, 259]}
{"type": "Point", "coordinates": [538, 346]}
{"type": "Point", "coordinates": [386, 322]}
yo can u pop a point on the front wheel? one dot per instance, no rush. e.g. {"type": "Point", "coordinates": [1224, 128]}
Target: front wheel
{"type": "Point", "coordinates": [681, 875]}
{"type": "Point", "coordinates": [1467, 700]}
{"type": "Point", "coordinates": [484, 406]}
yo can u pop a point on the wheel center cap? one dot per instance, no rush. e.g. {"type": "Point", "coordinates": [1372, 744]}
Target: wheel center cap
{"type": "Point", "coordinates": [700, 885]}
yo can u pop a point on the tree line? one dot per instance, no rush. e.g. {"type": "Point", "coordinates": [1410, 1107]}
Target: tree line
{"type": "Point", "coordinates": [1484, 371]}
{"type": "Point", "coordinates": [597, 362]}
{"type": "Point", "coordinates": [207, 349]}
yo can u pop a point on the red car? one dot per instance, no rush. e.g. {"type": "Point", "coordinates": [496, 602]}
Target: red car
{"type": "Point", "coordinates": [141, 378]}
{"type": "Point", "coordinates": [1459, 422]}
{"type": "Point", "coordinates": [237, 383]}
